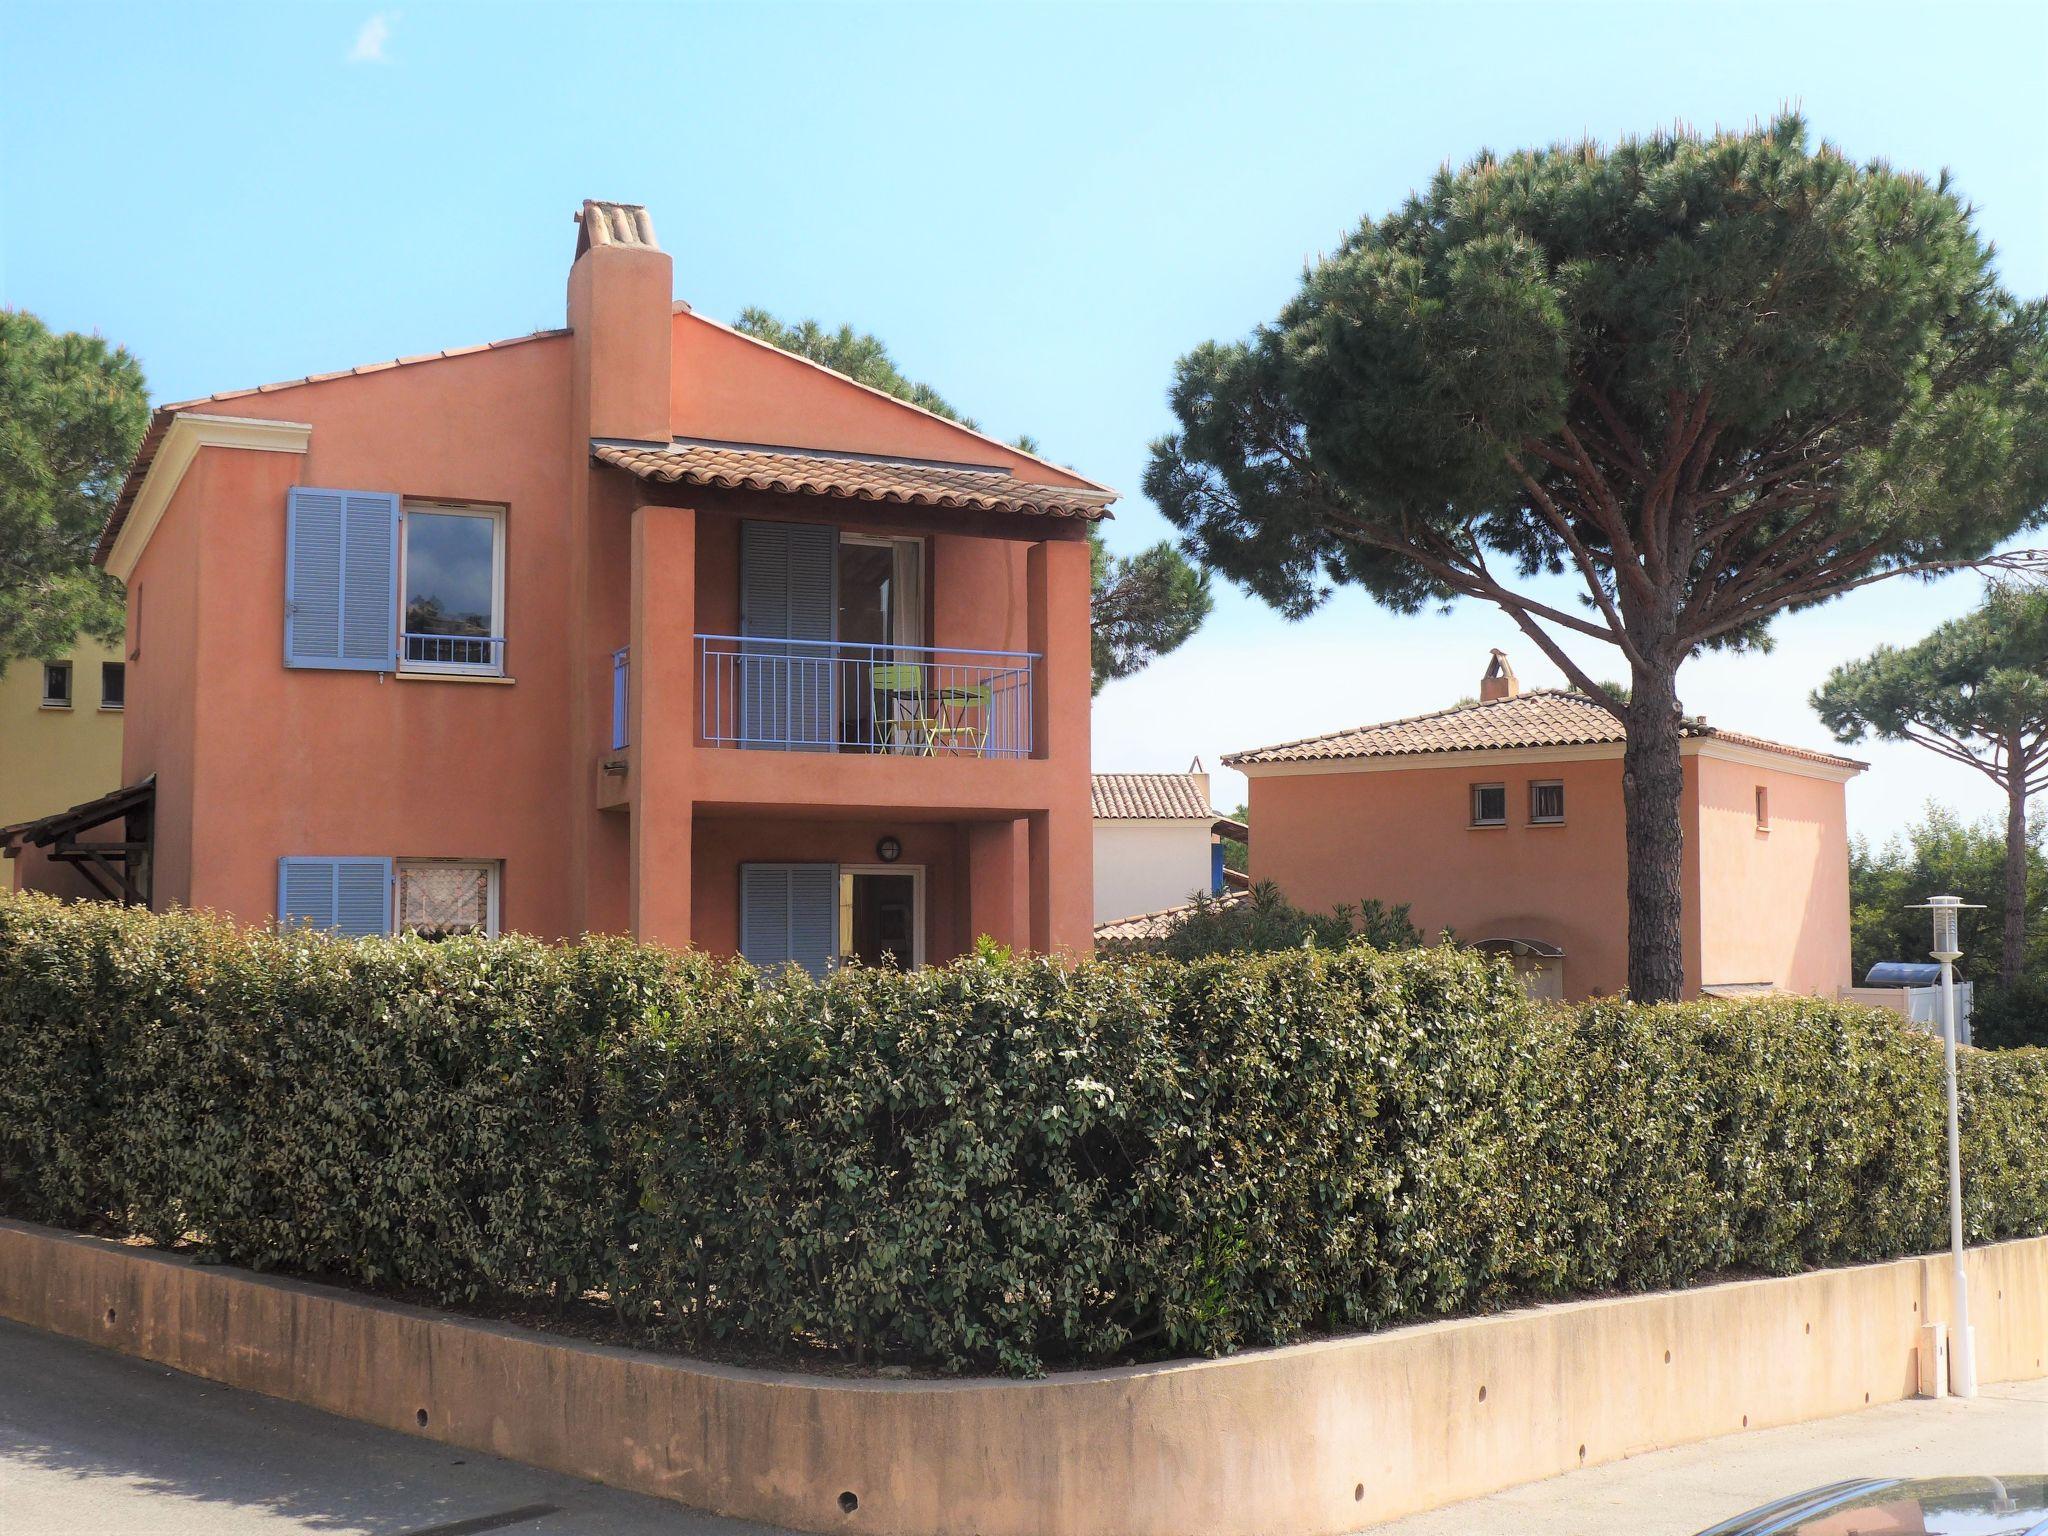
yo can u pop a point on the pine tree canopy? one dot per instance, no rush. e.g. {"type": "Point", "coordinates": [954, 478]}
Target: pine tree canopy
{"type": "Point", "coordinates": [1709, 378]}
{"type": "Point", "coordinates": [1142, 606]}
{"type": "Point", "coordinates": [72, 409]}
{"type": "Point", "coordinates": [1975, 690]}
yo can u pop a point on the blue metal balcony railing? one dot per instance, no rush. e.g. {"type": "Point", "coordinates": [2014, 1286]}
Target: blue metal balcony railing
{"type": "Point", "coordinates": [837, 696]}
{"type": "Point", "coordinates": [621, 679]}
{"type": "Point", "coordinates": [475, 653]}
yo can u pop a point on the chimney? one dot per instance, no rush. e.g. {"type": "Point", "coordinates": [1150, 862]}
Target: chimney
{"type": "Point", "coordinates": [1499, 681]}
{"type": "Point", "coordinates": [621, 296]}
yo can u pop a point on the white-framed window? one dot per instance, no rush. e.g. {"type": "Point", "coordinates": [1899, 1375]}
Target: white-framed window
{"type": "Point", "coordinates": [113, 685]}
{"type": "Point", "coordinates": [1546, 802]}
{"type": "Point", "coordinates": [451, 586]}
{"type": "Point", "coordinates": [1489, 805]}
{"type": "Point", "coordinates": [438, 898]}
{"type": "Point", "coordinates": [56, 685]}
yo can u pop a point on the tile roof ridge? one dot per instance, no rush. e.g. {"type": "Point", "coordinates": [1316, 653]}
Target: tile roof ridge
{"type": "Point", "coordinates": [1434, 714]}
{"type": "Point", "coordinates": [358, 370]}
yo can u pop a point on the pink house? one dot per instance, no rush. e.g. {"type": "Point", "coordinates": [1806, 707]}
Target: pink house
{"type": "Point", "coordinates": [1502, 820]}
{"type": "Point", "coordinates": [637, 625]}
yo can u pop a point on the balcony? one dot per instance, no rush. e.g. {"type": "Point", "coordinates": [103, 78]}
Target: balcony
{"type": "Point", "coordinates": [835, 696]}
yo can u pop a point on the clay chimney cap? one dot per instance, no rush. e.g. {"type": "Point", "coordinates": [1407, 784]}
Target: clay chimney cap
{"type": "Point", "coordinates": [1498, 681]}
{"type": "Point", "coordinates": [614, 224]}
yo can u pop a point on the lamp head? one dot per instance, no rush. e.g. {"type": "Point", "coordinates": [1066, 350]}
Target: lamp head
{"type": "Point", "coordinates": [1945, 910]}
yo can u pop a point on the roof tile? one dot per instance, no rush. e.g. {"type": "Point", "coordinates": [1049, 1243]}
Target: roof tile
{"type": "Point", "coordinates": [813, 472]}
{"type": "Point", "coordinates": [1150, 927]}
{"type": "Point", "coordinates": [1150, 796]}
{"type": "Point", "coordinates": [1542, 717]}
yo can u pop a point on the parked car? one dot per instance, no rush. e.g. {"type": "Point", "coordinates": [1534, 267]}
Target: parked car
{"type": "Point", "coordinates": [1931, 1506]}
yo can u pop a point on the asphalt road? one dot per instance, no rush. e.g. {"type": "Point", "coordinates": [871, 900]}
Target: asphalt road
{"type": "Point", "coordinates": [98, 1444]}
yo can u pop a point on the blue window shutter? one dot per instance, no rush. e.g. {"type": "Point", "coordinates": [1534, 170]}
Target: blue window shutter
{"type": "Point", "coordinates": [341, 579]}
{"type": "Point", "coordinates": [305, 893]}
{"type": "Point", "coordinates": [788, 591]}
{"type": "Point", "coordinates": [312, 579]}
{"type": "Point", "coordinates": [813, 615]}
{"type": "Point", "coordinates": [369, 588]}
{"type": "Point", "coordinates": [350, 897]}
{"type": "Point", "coordinates": [814, 916]}
{"type": "Point", "coordinates": [790, 912]}
{"type": "Point", "coordinates": [764, 913]}
{"type": "Point", "coordinates": [362, 897]}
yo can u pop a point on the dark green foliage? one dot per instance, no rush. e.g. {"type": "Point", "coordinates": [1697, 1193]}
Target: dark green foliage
{"type": "Point", "coordinates": [1943, 854]}
{"type": "Point", "coordinates": [1970, 690]}
{"type": "Point", "coordinates": [1003, 1164]}
{"type": "Point", "coordinates": [1940, 854]}
{"type": "Point", "coordinates": [2002, 1016]}
{"type": "Point", "coordinates": [71, 412]}
{"type": "Point", "coordinates": [1143, 605]}
{"type": "Point", "coordinates": [1263, 920]}
{"type": "Point", "coordinates": [1975, 691]}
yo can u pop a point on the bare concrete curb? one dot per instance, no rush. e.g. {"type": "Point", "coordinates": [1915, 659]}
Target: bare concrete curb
{"type": "Point", "coordinates": [1313, 1439]}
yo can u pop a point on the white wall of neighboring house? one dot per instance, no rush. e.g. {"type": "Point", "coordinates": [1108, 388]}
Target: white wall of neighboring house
{"type": "Point", "coordinates": [1143, 865]}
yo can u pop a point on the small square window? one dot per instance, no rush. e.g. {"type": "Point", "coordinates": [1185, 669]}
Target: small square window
{"type": "Point", "coordinates": [439, 898]}
{"type": "Point", "coordinates": [1763, 808]}
{"type": "Point", "coordinates": [1489, 805]}
{"type": "Point", "coordinates": [56, 685]}
{"type": "Point", "coordinates": [113, 685]}
{"type": "Point", "coordinates": [1546, 802]}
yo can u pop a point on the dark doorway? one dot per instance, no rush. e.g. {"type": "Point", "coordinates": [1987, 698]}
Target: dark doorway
{"type": "Point", "coordinates": [884, 913]}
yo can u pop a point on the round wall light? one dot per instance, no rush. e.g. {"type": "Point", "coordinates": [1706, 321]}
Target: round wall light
{"type": "Point", "coordinates": [889, 850]}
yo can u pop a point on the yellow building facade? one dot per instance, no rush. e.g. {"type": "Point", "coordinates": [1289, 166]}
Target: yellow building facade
{"type": "Point", "coordinates": [60, 733]}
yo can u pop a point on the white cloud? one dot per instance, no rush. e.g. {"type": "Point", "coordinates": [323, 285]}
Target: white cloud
{"type": "Point", "coordinates": [370, 41]}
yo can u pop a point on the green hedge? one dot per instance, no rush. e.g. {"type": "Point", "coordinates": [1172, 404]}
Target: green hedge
{"type": "Point", "coordinates": [1006, 1164]}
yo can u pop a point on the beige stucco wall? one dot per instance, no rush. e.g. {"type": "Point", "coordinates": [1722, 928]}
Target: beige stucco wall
{"type": "Point", "coordinates": [1773, 905]}
{"type": "Point", "coordinates": [1315, 1438]}
{"type": "Point", "coordinates": [1145, 866]}
{"type": "Point", "coordinates": [51, 759]}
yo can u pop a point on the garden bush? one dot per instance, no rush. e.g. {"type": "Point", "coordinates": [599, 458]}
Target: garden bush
{"type": "Point", "coordinates": [999, 1164]}
{"type": "Point", "coordinates": [1260, 920]}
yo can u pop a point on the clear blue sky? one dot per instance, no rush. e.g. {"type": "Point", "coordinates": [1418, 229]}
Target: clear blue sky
{"type": "Point", "coordinates": [1038, 207]}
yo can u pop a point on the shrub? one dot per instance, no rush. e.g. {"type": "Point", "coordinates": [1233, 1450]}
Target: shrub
{"type": "Point", "coordinates": [1262, 920]}
{"type": "Point", "coordinates": [1001, 1163]}
{"type": "Point", "coordinates": [2014, 1015]}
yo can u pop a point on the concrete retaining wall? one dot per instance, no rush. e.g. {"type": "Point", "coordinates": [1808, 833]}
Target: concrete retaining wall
{"type": "Point", "coordinates": [1314, 1438]}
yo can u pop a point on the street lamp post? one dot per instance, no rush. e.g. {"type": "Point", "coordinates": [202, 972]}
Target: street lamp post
{"type": "Point", "coordinates": [1947, 949]}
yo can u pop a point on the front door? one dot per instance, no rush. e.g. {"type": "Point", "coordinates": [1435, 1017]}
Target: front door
{"type": "Point", "coordinates": [879, 917]}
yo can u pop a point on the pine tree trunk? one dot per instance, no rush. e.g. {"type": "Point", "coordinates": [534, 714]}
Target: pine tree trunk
{"type": "Point", "coordinates": [1653, 797]}
{"type": "Point", "coordinates": [2014, 950]}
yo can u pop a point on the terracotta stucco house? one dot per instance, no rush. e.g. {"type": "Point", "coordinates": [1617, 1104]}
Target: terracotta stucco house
{"type": "Point", "coordinates": [638, 625]}
{"type": "Point", "coordinates": [1502, 820]}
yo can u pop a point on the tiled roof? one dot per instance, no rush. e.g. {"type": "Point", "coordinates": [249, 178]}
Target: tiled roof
{"type": "Point", "coordinates": [160, 419]}
{"type": "Point", "coordinates": [1150, 796]}
{"type": "Point", "coordinates": [1149, 927]}
{"type": "Point", "coordinates": [1543, 717]}
{"type": "Point", "coordinates": [814, 472]}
